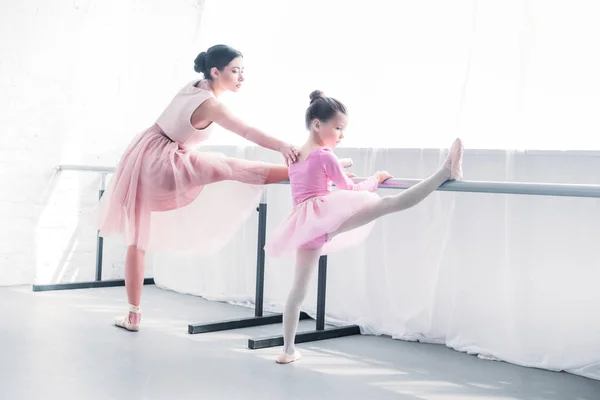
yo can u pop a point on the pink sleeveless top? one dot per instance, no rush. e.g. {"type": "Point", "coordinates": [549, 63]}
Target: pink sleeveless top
{"type": "Point", "coordinates": [175, 121]}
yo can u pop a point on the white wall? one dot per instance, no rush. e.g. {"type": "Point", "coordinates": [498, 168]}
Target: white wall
{"type": "Point", "coordinates": [77, 80]}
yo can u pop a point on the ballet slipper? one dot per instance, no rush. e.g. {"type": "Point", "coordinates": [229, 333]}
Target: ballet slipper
{"type": "Point", "coordinates": [124, 322]}
{"type": "Point", "coordinates": [285, 358]}
{"type": "Point", "coordinates": [454, 162]}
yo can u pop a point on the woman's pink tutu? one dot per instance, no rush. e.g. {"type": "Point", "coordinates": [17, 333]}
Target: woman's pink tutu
{"type": "Point", "coordinates": [311, 221]}
{"type": "Point", "coordinates": [153, 202]}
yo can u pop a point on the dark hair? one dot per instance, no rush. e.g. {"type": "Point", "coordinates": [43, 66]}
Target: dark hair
{"type": "Point", "coordinates": [323, 108]}
{"type": "Point", "coordinates": [217, 56]}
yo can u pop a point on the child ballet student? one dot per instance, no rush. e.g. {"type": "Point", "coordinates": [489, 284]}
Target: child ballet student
{"type": "Point", "coordinates": [323, 221]}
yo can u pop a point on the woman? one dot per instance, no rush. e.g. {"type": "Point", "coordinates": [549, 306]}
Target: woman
{"type": "Point", "coordinates": [153, 202]}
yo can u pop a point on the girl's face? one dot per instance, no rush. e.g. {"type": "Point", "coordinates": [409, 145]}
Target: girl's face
{"type": "Point", "coordinates": [330, 133]}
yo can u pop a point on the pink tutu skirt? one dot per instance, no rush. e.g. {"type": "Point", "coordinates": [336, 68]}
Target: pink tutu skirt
{"type": "Point", "coordinates": [153, 200]}
{"type": "Point", "coordinates": [310, 223]}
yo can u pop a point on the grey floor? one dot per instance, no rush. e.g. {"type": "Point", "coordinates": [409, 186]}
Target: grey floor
{"type": "Point", "coordinates": [61, 345]}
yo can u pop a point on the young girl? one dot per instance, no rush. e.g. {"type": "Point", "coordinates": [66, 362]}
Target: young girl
{"type": "Point", "coordinates": [323, 221]}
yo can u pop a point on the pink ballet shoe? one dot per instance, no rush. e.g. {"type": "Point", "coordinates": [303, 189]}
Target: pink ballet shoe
{"type": "Point", "coordinates": [285, 358]}
{"type": "Point", "coordinates": [455, 160]}
{"type": "Point", "coordinates": [125, 323]}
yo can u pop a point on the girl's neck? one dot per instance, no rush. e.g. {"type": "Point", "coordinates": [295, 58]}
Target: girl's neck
{"type": "Point", "coordinates": [308, 147]}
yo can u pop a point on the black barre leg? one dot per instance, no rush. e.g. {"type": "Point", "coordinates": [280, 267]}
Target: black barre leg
{"type": "Point", "coordinates": [320, 333]}
{"type": "Point", "coordinates": [258, 319]}
{"type": "Point", "coordinates": [321, 293]}
{"type": "Point", "coordinates": [260, 260]}
{"type": "Point", "coordinates": [99, 248]}
{"type": "Point", "coordinates": [98, 282]}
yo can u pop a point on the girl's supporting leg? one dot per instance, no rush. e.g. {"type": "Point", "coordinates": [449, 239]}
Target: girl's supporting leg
{"type": "Point", "coordinates": [306, 262]}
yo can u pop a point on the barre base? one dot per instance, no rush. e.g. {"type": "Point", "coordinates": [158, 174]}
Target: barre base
{"type": "Point", "coordinates": [304, 337]}
{"type": "Point", "coordinates": [86, 285]}
{"type": "Point", "coordinates": [238, 323]}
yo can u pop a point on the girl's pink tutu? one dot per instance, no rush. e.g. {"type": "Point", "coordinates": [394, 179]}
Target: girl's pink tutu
{"type": "Point", "coordinates": [311, 221]}
{"type": "Point", "coordinates": [153, 202]}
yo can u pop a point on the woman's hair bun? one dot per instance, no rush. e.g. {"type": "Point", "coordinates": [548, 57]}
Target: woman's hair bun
{"type": "Point", "coordinates": [200, 62]}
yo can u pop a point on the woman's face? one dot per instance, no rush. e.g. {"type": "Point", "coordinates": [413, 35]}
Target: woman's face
{"type": "Point", "coordinates": [232, 76]}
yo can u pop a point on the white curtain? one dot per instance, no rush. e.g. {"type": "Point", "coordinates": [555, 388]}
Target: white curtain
{"type": "Point", "coordinates": [513, 74]}
{"type": "Point", "coordinates": [506, 277]}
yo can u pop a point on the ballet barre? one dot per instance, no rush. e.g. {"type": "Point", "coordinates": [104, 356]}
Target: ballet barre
{"type": "Point", "coordinates": [97, 282]}
{"type": "Point", "coordinates": [522, 188]}
{"type": "Point", "coordinates": [91, 168]}
{"type": "Point", "coordinates": [496, 187]}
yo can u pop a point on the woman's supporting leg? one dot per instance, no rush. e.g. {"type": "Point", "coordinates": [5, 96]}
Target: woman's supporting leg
{"type": "Point", "coordinates": [134, 274]}
{"type": "Point", "coordinates": [134, 282]}
{"type": "Point", "coordinates": [306, 261]}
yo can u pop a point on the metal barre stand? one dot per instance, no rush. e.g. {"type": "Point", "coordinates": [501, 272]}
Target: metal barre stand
{"type": "Point", "coordinates": [258, 319]}
{"type": "Point", "coordinates": [98, 282]}
{"type": "Point", "coordinates": [320, 333]}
